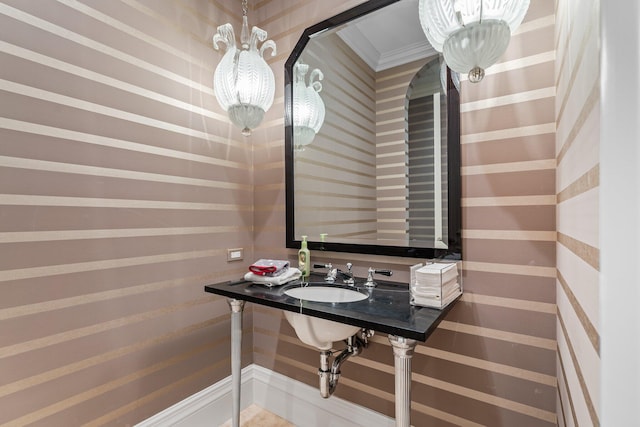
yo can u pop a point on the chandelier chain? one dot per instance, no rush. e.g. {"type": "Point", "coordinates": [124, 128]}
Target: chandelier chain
{"type": "Point", "coordinates": [244, 7]}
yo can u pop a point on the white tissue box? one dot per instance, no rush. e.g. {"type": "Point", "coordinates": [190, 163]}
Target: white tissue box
{"type": "Point", "coordinates": [435, 284]}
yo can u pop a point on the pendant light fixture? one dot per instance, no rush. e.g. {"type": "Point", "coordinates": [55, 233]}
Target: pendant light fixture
{"type": "Point", "coordinates": [243, 82]}
{"type": "Point", "coordinates": [308, 108]}
{"type": "Point", "coordinates": [471, 34]}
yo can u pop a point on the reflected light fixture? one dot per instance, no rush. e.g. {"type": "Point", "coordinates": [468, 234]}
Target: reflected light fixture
{"type": "Point", "coordinates": [243, 82]}
{"type": "Point", "coordinates": [455, 76]}
{"type": "Point", "coordinates": [308, 108]}
{"type": "Point", "coordinates": [471, 34]}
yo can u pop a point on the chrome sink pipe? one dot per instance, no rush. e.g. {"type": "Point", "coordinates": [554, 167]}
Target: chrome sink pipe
{"type": "Point", "coordinates": [330, 375]}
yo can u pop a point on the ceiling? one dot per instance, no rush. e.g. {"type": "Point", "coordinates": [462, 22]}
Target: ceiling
{"type": "Point", "coordinates": [388, 37]}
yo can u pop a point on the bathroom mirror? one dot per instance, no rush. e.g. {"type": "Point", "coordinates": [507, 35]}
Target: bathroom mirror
{"type": "Point", "coordinates": [382, 175]}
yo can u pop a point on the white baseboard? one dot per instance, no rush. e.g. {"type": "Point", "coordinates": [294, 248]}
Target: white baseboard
{"type": "Point", "coordinates": [298, 403]}
{"type": "Point", "coordinates": [210, 407]}
{"type": "Point", "coordinates": [302, 404]}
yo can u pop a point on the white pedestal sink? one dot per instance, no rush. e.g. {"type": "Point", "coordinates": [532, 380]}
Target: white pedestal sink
{"type": "Point", "coordinates": [316, 332]}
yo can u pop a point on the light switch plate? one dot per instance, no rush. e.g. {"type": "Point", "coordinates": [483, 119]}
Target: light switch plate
{"type": "Point", "coordinates": [236, 254]}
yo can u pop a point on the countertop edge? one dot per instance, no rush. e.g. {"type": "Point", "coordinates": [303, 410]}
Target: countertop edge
{"type": "Point", "coordinates": [378, 327]}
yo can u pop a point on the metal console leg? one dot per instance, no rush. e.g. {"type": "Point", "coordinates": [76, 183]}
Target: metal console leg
{"type": "Point", "coordinates": [402, 354]}
{"type": "Point", "coordinates": [236, 357]}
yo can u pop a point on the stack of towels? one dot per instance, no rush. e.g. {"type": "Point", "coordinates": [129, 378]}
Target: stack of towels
{"type": "Point", "coordinates": [271, 272]}
{"type": "Point", "coordinates": [435, 285]}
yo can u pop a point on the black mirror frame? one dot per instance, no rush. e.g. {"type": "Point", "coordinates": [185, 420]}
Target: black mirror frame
{"type": "Point", "coordinates": [454, 250]}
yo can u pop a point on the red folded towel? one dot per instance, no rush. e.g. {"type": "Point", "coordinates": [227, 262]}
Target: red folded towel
{"type": "Point", "coordinates": [269, 267]}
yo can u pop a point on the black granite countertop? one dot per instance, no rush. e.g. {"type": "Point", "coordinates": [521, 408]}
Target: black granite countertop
{"type": "Point", "coordinates": [387, 308]}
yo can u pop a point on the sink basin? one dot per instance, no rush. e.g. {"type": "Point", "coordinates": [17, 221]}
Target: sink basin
{"type": "Point", "coordinates": [316, 332]}
{"type": "Point", "coordinates": [326, 294]}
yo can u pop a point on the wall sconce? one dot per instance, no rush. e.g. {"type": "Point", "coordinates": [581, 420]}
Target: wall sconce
{"type": "Point", "coordinates": [243, 83]}
{"type": "Point", "coordinates": [308, 108]}
{"type": "Point", "coordinates": [471, 34]}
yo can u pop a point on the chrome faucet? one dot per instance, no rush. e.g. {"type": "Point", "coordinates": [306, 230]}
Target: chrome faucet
{"type": "Point", "coordinates": [348, 275]}
{"type": "Point", "coordinates": [331, 273]}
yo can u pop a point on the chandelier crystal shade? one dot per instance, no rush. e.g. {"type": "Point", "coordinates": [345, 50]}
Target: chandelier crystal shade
{"type": "Point", "coordinates": [471, 34]}
{"type": "Point", "coordinates": [243, 82]}
{"type": "Point", "coordinates": [308, 108]}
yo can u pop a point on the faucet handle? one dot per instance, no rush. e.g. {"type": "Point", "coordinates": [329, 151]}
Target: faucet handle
{"type": "Point", "coordinates": [331, 274]}
{"type": "Point", "coordinates": [349, 280]}
{"type": "Point", "coordinates": [329, 266]}
{"type": "Point", "coordinates": [370, 283]}
{"type": "Point", "coordinates": [388, 273]}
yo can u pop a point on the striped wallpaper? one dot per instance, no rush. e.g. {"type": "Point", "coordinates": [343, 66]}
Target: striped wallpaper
{"type": "Point", "coordinates": [428, 168]}
{"type": "Point", "coordinates": [336, 173]}
{"type": "Point", "coordinates": [122, 184]}
{"type": "Point", "coordinates": [121, 187]}
{"type": "Point", "coordinates": [392, 130]}
{"type": "Point", "coordinates": [577, 186]}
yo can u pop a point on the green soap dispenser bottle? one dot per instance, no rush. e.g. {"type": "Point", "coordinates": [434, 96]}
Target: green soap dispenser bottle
{"type": "Point", "coordinates": [304, 261]}
{"type": "Point", "coordinates": [323, 238]}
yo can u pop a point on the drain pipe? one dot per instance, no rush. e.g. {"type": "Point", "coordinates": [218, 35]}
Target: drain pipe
{"type": "Point", "coordinates": [329, 376]}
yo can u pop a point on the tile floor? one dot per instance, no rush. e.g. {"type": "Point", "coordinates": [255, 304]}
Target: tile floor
{"type": "Point", "coordinates": [255, 416]}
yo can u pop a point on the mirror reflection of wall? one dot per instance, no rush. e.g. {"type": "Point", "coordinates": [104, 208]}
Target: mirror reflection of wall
{"type": "Point", "coordinates": [412, 179]}
{"type": "Point", "coordinates": [427, 153]}
{"type": "Point", "coordinates": [335, 176]}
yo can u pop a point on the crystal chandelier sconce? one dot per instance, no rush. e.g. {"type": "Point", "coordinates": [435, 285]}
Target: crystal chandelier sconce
{"type": "Point", "coordinates": [243, 82]}
{"type": "Point", "coordinates": [471, 34]}
{"type": "Point", "coordinates": [308, 108]}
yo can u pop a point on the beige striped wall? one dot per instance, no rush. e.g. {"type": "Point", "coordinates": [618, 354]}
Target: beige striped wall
{"type": "Point", "coordinates": [493, 360]}
{"type": "Point", "coordinates": [577, 187]}
{"type": "Point", "coordinates": [391, 149]}
{"type": "Point", "coordinates": [121, 186]}
{"type": "Point", "coordinates": [335, 175]}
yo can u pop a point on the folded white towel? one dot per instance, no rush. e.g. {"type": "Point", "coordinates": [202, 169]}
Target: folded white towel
{"type": "Point", "coordinates": [435, 303]}
{"type": "Point", "coordinates": [436, 273]}
{"type": "Point", "coordinates": [436, 292]}
{"type": "Point", "coordinates": [290, 274]}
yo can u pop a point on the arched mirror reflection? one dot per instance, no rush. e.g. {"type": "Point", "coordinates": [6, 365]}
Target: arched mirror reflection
{"type": "Point", "coordinates": [427, 160]}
